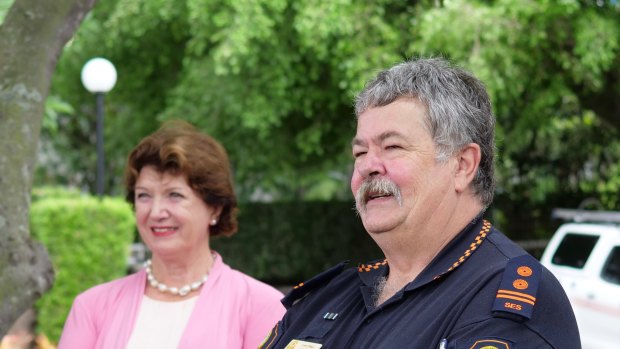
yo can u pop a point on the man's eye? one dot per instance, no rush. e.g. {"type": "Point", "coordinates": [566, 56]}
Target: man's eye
{"type": "Point", "coordinates": [358, 154]}
{"type": "Point", "coordinates": [393, 146]}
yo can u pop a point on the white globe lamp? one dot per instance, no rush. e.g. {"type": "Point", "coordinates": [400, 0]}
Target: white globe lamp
{"type": "Point", "coordinates": [99, 77]}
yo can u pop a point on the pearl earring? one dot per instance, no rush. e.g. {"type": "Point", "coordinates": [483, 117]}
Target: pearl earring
{"type": "Point", "coordinates": [213, 221]}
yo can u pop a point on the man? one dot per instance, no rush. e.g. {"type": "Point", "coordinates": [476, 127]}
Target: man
{"type": "Point", "coordinates": [422, 179]}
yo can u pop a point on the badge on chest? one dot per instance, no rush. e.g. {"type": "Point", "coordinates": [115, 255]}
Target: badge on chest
{"type": "Point", "coordinates": [299, 344]}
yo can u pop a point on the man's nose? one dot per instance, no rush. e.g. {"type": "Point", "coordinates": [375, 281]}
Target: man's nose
{"type": "Point", "coordinates": [371, 165]}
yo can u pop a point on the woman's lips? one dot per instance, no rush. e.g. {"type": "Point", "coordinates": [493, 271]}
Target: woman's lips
{"type": "Point", "coordinates": [163, 231]}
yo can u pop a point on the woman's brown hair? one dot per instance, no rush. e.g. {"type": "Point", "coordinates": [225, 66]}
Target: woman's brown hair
{"type": "Point", "coordinates": [178, 148]}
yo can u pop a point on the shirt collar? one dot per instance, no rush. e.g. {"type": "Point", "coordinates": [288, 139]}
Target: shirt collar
{"type": "Point", "coordinates": [455, 253]}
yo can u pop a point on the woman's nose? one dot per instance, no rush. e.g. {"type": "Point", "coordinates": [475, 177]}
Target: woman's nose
{"type": "Point", "coordinates": [159, 210]}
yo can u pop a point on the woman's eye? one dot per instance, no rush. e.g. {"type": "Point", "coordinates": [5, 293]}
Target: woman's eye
{"type": "Point", "coordinates": [358, 154]}
{"type": "Point", "coordinates": [176, 195]}
{"type": "Point", "coordinates": [141, 195]}
{"type": "Point", "coordinates": [393, 146]}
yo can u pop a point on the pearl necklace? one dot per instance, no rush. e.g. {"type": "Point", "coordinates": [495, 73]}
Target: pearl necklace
{"type": "Point", "coordinates": [181, 291]}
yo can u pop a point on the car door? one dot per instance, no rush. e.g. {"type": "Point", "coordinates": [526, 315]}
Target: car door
{"type": "Point", "coordinates": [597, 302]}
{"type": "Point", "coordinates": [574, 257]}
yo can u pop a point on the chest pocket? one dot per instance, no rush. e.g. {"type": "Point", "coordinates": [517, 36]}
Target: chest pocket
{"type": "Point", "coordinates": [319, 326]}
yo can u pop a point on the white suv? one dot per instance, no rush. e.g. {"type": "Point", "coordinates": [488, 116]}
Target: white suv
{"type": "Point", "coordinates": [585, 257]}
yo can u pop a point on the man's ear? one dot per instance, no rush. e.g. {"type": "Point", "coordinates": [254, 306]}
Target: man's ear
{"type": "Point", "coordinates": [467, 163]}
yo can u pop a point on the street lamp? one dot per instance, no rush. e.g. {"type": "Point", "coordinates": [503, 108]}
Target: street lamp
{"type": "Point", "coordinates": [99, 77]}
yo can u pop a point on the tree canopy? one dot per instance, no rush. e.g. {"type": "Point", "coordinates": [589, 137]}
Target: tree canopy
{"type": "Point", "coordinates": [273, 80]}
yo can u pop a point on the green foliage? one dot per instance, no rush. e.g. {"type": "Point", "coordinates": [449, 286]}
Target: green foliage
{"type": "Point", "coordinates": [54, 107]}
{"type": "Point", "coordinates": [274, 80]}
{"type": "Point", "coordinates": [54, 192]}
{"type": "Point", "coordinates": [88, 240]}
{"type": "Point", "coordinates": [5, 5]}
{"type": "Point", "coordinates": [537, 59]}
{"type": "Point", "coordinates": [286, 243]}
{"type": "Point", "coordinates": [606, 186]}
{"type": "Point", "coordinates": [255, 74]}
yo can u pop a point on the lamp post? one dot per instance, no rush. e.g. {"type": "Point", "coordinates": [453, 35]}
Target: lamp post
{"type": "Point", "coordinates": [99, 77]}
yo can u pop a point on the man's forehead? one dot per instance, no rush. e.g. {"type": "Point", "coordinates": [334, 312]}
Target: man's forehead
{"type": "Point", "coordinates": [378, 138]}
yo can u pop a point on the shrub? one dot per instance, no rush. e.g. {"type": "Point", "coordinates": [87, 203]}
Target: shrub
{"type": "Point", "coordinates": [88, 240]}
{"type": "Point", "coordinates": [55, 192]}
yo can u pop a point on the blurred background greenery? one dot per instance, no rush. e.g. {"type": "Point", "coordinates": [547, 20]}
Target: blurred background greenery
{"type": "Point", "coordinates": [273, 80]}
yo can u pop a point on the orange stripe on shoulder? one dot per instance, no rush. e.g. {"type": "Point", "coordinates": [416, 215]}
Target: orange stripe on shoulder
{"type": "Point", "coordinates": [519, 294]}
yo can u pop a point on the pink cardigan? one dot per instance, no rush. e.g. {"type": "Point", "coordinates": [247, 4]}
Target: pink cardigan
{"type": "Point", "coordinates": [233, 311]}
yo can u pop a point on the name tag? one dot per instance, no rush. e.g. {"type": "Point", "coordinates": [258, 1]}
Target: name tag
{"type": "Point", "coordinates": [297, 344]}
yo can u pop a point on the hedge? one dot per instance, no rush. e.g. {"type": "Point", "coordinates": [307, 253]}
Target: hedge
{"type": "Point", "coordinates": [286, 243]}
{"type": "Point", "coordinates": [88, 240]}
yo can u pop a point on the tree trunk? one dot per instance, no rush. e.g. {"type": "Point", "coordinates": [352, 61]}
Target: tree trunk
{"type": "Point", "coordinates": [31, 40]}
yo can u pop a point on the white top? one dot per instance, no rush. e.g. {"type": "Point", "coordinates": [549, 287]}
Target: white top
{"type": "Point", "coordinates": [160, 325]}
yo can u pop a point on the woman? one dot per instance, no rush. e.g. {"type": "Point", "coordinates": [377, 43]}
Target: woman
{"type": "Point", "coordinates": [179, 183]}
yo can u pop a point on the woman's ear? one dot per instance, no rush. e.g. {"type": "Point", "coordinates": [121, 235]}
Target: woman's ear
{"type": "Point", "coordinates": [467, 163]}
{"type": "Point", "coordinates": [217, 211]}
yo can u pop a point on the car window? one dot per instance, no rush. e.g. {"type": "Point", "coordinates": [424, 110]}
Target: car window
{"type": "Point", "coordinates": [574, 250]}
{"type": "Point", "coordinates": [611, 270]}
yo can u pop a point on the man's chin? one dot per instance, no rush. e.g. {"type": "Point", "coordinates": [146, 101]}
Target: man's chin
{"type": "Point", "coordinates": [378, 225]}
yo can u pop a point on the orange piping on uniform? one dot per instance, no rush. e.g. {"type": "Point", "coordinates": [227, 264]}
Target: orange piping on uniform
{"type": "Point", "coordinates": [275, 335]}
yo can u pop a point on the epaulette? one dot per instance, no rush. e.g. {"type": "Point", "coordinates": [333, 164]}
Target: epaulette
{"type": "Point", "coordinates": [316, 281]}
{"type": "Point", "coordinates": [516, 295]}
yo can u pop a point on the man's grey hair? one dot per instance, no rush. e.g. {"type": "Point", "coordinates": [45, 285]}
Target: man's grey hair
{"type": "Point", "coordinates": [457, 104]}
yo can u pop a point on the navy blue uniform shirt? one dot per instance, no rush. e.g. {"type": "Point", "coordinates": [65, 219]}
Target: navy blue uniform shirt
{"type": "Point", "coordinates": [481, 291]}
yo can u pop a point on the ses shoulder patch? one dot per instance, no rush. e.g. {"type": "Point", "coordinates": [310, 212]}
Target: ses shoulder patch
{"type": "Point", "coordinates": [491, 343]}
{"type": "Point", "coordinates": [301, 290]}
{"type": "Point", "coordinates": [517, 291]}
